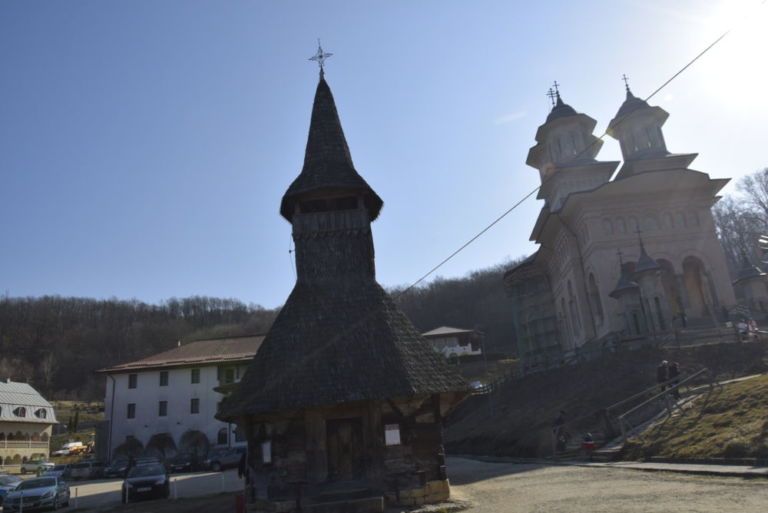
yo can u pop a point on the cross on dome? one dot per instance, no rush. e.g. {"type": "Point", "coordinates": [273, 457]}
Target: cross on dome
{"type": "Point", "coordinates": [625, 78]}
{"type": "Point", "coordinates": [551, 94]}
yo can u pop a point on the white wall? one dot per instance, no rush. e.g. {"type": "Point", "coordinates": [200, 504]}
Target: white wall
{"type": "Point", "coordinates": [178, 393]}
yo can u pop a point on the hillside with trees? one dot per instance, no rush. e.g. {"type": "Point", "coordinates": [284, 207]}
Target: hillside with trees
{"type": "Point", "coordinates": [476, 301]}
{"type": "Point", "coordinates": [56, 343]}
{"type": "Point", "coordinates": [742, 218]}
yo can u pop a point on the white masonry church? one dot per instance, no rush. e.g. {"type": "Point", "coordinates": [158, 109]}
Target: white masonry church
{"type": "Point", "coordinates": [622, 254]}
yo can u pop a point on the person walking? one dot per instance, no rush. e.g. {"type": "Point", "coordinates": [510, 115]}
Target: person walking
{"type": "Point", "coordinates": [674, 373]}
{"type": "Point", "coordinates": [662, 374]}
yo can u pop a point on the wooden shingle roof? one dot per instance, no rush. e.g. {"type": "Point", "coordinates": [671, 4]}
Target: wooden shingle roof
{"type": "Point", "coordinates": [327, 160]}
{"type": "Point", "coordinates": [330, 346]}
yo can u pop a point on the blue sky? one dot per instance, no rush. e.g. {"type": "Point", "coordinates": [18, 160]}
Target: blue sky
{"type": "Point", "coordinates": [145, 145]}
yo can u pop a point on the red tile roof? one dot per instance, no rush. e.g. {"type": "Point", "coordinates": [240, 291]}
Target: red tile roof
{"type": "Point", "coordinates": [197, 353]}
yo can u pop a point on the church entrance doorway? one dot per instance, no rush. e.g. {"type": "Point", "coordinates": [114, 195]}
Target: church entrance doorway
{"type": "Point", "coordinates": [345, 448]}
{"type": "Point", "coordinates": [695, 288]}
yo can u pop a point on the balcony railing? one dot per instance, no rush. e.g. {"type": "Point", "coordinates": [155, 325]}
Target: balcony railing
{"type": "Point", "coordinates": [22, 444]}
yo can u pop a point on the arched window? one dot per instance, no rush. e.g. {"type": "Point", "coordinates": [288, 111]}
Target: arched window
{"type": "Point", "coordinates": [693, 218]}
{"type": "Point", "coordinates": [573, 308]}
{"type": "Point", "coordinates": [594, 296]}
{"type": "Point", "coordinates": [621, 226]}
{"type": "Point", "coordinates": [607, 226]}
{"type": "Point", "coordinates": [669, 221]}
{"type": "Point", "coordinates": [221, 437]}
{"type": "Point", "coordinates": [680, 219]}
{"type": "Point", "coordinates": [20, 411]}
{"type": "Point", "coordinates": [651, 223]}
{"type": "Point", "coordinates": [40, 413]}
{"type": "Point", "coordinates": [632, 222]}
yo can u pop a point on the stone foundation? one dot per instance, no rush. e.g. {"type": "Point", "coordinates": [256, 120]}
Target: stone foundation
{"type": "Point", "coordinates": [433, 491]}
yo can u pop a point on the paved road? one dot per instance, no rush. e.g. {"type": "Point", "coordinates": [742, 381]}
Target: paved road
{"type": "Point", "coordinates": [540, 488]}
{"type": "Point", "coordinates": [99, 495]}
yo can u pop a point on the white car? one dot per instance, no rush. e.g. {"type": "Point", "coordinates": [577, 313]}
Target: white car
{"type": "Point", "coordinates": [35, 465]}
{"type": "Point", "coordinates": [37, 493]}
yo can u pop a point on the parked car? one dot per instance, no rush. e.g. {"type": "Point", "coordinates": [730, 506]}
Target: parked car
{"type": "Point", "coordinates": [146, 482]}
{"type": "Point", "coordinates": [118, 468]}
{"type": "Point", "coordinates": [61, 470]}
{"type": "Point", "coordinates": [220, 459]}
{"type": "Point", "coordinates": [87, 470]}
{"type": "Point", "coordinates": [150, 460]}
{"type": "Point", "coordinates": [35, 465]}
{"type": "Point", "coordinates": [37, 493]}
{"type": "Point", "coordinates": [183, 462]}
{"type": "Point", "coordinates": [8, 484]}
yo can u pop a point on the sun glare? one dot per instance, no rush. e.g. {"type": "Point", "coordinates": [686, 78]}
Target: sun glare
{"type": "Point", "coordinates": [738, 61]}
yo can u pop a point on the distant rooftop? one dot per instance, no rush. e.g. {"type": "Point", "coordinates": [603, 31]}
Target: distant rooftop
{"type": "Point", "coordinates": [444, 331]}
{"type": "Point", "coordinates": [14, 395]}
{"type": "Point", "coordinates": [201, 352]}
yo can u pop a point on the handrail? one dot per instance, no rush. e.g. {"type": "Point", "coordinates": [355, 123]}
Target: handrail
{"type": "Point", "coordinates": [664, 393]}
{"type": "Point", "coordinates": [650, 389]}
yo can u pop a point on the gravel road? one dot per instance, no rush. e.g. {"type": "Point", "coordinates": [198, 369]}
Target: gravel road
{"type": "Point", "coordinates": [533, 488]}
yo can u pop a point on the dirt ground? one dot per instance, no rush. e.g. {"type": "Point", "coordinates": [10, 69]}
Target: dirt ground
{"type": "Point", "coordinates": [480, 487]}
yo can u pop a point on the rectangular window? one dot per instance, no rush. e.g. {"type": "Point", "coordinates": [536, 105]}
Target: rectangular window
{"type": "Point", "coordinates": [392, 434]}
{"type": "Point", "coordinates": [131, 414]}
{"type": "Point", "coordinates": [195, 375]}
{"type": "Point", "coordinates": [194, 406]}
{"type": "Point", "coordinates": [163, 378]}
{"type": "Point", "coordinates": [266, 452]}
{"type": "Point", "coordinates": [132, 380]}
{"type": "Point", "coordinates": [162, 409]}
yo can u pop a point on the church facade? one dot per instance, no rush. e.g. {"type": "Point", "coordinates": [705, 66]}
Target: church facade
{"type": "Point", "coordinates": [622, 254]}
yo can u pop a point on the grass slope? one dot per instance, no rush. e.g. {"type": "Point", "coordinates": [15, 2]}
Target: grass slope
{"type": "Point", "coordinates": [728, 422]}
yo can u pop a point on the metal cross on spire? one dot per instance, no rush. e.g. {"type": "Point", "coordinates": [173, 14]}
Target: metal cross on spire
{"type": "Point", "coordinates": [625, 78]}
{"type": "Point", "coordinates": [551, 94]}
{"type": "Point", "coordinates": [557, 88]}
{"type": "Point", "coordinates": [320, 57]}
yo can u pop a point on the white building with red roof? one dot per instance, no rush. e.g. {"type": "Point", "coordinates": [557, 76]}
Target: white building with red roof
{"type": "Point", "coordinates": [165, 403]}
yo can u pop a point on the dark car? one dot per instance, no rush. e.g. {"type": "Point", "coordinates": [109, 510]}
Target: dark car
{"type": "Point", "coordinates": [8, 484]}
{"type": "Point", "coordinates": [183, 462]}
{"type": "Point", "coordinates": [219, 459]}
{"type": "Point", "coordinates": [146, 482]}
{"type": "Point", "coordinates": [61, 470]}
{"type": "Point", "coordinates": [37, 493]}
{"type": "Point", "coordinates": [118, 468]}
{"type": "Point", "coordinates": [88, 469]}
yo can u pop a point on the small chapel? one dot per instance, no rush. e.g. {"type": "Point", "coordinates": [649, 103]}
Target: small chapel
{"type": "Point", "coordinates": [626, 250]}
{"type": "Point", "coordinates": [343, 404]}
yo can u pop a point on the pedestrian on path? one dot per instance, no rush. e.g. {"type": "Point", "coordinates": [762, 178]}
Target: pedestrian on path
{"type": "Point", "coordinates": [674, 373]}
{"type": "Point", "coordinates": [662, 374]}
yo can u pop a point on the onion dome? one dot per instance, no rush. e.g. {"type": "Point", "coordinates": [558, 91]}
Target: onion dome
{"type": "Point", "coordinates": [560, 110]}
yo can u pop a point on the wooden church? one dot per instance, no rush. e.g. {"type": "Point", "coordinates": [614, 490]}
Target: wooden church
{"type": "Point", "coordinates": [344, 402]}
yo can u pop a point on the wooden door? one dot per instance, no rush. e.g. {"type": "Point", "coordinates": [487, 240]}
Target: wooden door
{"type": "Point", "coordinates": [345, 448]}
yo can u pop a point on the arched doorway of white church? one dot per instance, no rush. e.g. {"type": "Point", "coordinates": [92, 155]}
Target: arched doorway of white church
{"type": "Point", "coordinates": [674, 298]}
{"type": "Point", "coordinates": [695, 284]}
{"type": "Point", "coordinates": [161, 446]}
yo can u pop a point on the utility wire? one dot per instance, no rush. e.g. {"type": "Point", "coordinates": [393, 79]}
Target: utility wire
{"type": "Point", "coordinates": [535, 189]}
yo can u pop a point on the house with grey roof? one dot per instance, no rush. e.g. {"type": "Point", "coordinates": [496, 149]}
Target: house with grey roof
{"type": "Point", "coordinates": [26, 421]}
{"type": "Point", "coordinates": [165, 403]}
{"type": "Point", "coordinates": [453, 342]}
